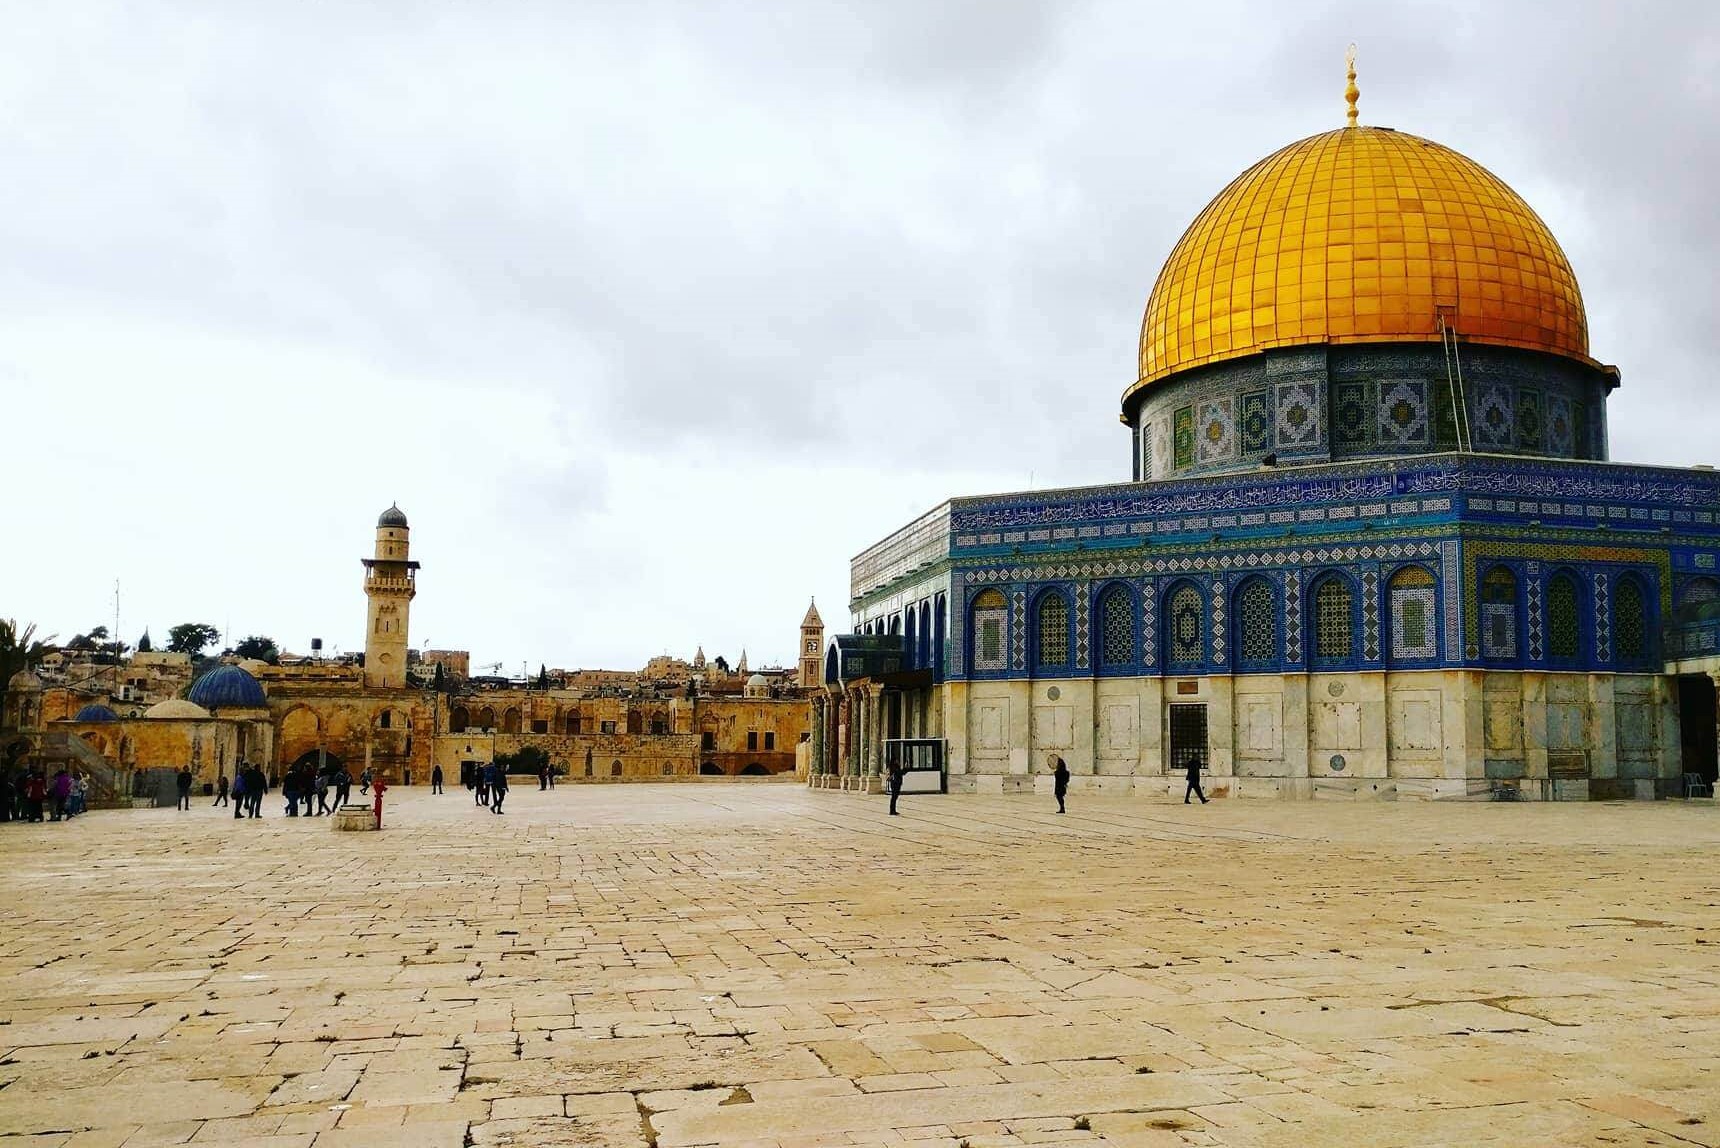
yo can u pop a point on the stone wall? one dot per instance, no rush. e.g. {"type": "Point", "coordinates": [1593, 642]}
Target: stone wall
{"type": "Point", "coordinates": [1438, 733]}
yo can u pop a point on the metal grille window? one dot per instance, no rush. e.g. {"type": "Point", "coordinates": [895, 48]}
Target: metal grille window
{"type": "Point", "coordinates": [1117, 627]}
{"type": "Point", "coordinates": [1257, 614]}
{"type": "Point", "coordinates": [1187, 627]}
{"type": "Point", "coordinates": [1562, 631]}
{"type": "Point", "coordinates": [1332, 629]}
{"type": "Point", "coordinates": [1630, 620]}
{"type": "Point", "coordinates": [1053, 630]}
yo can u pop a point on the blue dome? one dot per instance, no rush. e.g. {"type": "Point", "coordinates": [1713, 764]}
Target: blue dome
{"type": "Point", "coordinates": [96, 713]}
{"type": "Point", "coordinates": [227, 687]}
{"type": "Point", "coordinates": [393, 516]}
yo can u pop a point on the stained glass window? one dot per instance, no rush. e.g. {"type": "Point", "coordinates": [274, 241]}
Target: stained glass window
{"type": "Point", "coordinates": [989, 610]}
{"type": "Point", "coordinates": [1257, 614]}
{"type": "Point", "coordinates": [1332, 630]}
{"type": "Point", "coordinates": [1630, 620]}
{"type": "Point", "coordinates": [1187, 622]}
{"type": "Point", "coordinates": [1147, 450]}
{"type": "Point", "coordinates": [1117, 628]}
{"type": "Point", "coordinates": [1562, 638]}
{"type": "Point", "coordinates": [1182, 437]}
{"type": "Point", "coordinates": [1413, 609]}
{"type": "Point", "coordinates": [1053, 630]}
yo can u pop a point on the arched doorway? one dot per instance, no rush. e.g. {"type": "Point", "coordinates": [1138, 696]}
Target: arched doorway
{"type": "Point", "coordinates": [754, 769]}
{"type": "Point", "coordinates": [710, 769]}
{"type": "Point", "coordinates": [314, 757]}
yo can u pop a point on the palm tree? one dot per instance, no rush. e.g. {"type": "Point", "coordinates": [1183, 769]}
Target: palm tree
{"type": "Point", "coordinates": [18, 648]}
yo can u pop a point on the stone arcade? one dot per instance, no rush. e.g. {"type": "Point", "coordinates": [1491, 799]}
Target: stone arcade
{"type": "Point", "coordinates": [1373, 545]}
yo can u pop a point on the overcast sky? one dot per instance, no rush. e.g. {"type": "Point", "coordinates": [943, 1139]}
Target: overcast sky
{"type": "Point", "coordinates": [652, 315]}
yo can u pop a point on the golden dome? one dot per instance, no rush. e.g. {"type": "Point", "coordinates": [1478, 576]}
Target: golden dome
{"type": "Point", "coordinates": [1360, 235]}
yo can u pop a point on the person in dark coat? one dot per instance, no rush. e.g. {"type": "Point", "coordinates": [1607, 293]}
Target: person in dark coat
{"type": "Point", "coordinates": [256, 784]}
{"type": "Point", "coordinates": [1194, 781]}
{"type": "Point", "coordinates": [895, 785]}
{"type": "Point", "coordinates": [436, 780]}
{"type": "Point", "coordinates": [1059, 780]}
{"type": "Point", "coordinates": [183, 783]}
{"type": "Point", "coordinates": [221, 789]}
{"type": "Point", "coordinates": [498, 788]}
{"type": "Point", "coordinates": [342, 786]}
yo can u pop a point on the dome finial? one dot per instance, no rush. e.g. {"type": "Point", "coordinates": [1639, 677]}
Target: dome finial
{"type": "Point", "coordinates": [1351, 92]}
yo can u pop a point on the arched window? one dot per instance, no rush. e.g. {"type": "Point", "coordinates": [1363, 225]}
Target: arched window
{"type": "Point", "coordinates": [1563, 624]}
{"type": "Point", "coordinates": [458, 720]}
{"type": "Point", "coordinates": [1334, 632]}
{"type": "Point", "coordinates": [1414, 614]}
{"type": "Point", "coordinates": [486, 718]}
{"type": "Point", "coordinates": [1257, 624]}
{"type": "Point", "coordinates": [511, 720]}
{"type": "Point", "coordinates": [910, 644]}
{"type": "Point", "coordinates": [940, 631]}
{"type": "Point", "coordinates": [1185, 619]}
{"type": "Point", "coordinates": [1499, 613]}
{"type": "Point", "coordinates": [1053, 630]}
{"type": "Point", "coordinates": [1116, 627]}
{"type": "Point", "coordinates": [615, 768]}
{"type": "Point", "coordinates": [990, 611]}
{"type": "Point", "coordinates": [1630, 621]}
{"type": "Point", "coordinates": [923, 652]}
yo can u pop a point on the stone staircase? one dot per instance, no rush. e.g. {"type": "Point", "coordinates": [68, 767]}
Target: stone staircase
{"type": "Point", "coordinates": [109, 788]}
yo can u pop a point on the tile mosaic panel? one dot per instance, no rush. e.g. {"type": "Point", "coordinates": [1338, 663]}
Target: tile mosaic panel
{"type": "Point", "coordinates": [1371, 615]}
{"type": "Point", "coordinates": [1215, 431]}
{"type": "Point", "coordinates": [1403, 413]}
{"type": "Point", "coordinates": [1441, 415]}
{"type": "Point", "coordinates": [1083, 591]}
{"type": "Point", "coordinates": [1116, 628]}
{"type": "Point", "coordinates": [1499, 630]}
{"type": "Point", "coordinates": [1258, 622]}
{"type": "Point", "coordinates": [1603, 620]}
{"type": "Point", "coordinates": [1184, 610]}
{"type": "Point", "coordinates": [1018, 630]}
{"type": "Point", "coordinates": [1536, 645]}
{"type": "Point", "coordinates": [1296, 423]}
{"type": "Point", "coordinates": [1256, 423]}
{"type": "Point", "coordinates": [1149, 627]}
{"type": "Point", "coordinates": [1494, 421]}
{"type": "Point", "coordinates": [1450, 581]}
{"type": "Point", "coordinates": [1219, 629]}
{"type": "Point", "coordinates": [1413, 611]}
{"type": "Point", "coordinates": [1161, 448]}
{"type": "Point", "coordinates": [1293, 616]}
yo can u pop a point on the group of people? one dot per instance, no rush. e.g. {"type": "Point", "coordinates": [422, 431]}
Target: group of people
{"type": "Point", "coordinates": [305, 784]}
{"type": "Point", "coordinates": [31, 795]}
{"type": "Point", "coordinates": [489, 786]}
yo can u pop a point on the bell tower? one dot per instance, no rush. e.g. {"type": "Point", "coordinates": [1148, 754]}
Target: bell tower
{"type": "Point", "coordinates": [811, 649]}
{"type": "Point", "coordinates": [390, 583]}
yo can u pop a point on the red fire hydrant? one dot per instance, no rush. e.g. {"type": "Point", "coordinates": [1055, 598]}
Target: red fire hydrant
{"type": "Point", "coordinates": [378, 786]}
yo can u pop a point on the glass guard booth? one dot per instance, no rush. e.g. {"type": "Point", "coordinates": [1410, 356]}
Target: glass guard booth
{"type": "Point", "coordinates": [922, 762]}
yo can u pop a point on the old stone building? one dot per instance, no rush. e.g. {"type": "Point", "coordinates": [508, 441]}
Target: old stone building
{"type": "Point", "coordinates": [675, 719]}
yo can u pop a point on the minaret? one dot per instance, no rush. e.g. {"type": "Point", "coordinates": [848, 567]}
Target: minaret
{"type": "Point", "coordinates": [811, 648]}
{"type": "Point", "coordinates": [390, 582]}
{"type": "Point", "coordinates": [741, 669]}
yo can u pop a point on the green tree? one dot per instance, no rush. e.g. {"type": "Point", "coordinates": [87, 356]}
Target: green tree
{"type": "Point", "coordinates": [543, 677]}
{"type": "Point", "coordinates": [192, 637]}
{"type": "Point", "coordinates": [19, 649]}
{"type": "Point", "coordinates": [439, 684]}
{"type": "Point", "coordinates": [144, 645]}
{"type": "Point", "coordinates": [530, 760]}
{"type": "Point", "coordinates": [257, 646]}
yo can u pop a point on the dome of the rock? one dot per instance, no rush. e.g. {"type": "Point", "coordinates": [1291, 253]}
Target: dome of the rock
{"type": "Point", "coordinates": [1360, 235]}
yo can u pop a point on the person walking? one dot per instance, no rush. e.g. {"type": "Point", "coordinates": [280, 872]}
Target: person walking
{"type": "Point", "coordinates": [498, 788]}
{"type": "Point", "coordinates": [61, 791]}
{"type": "Point", "coordinates": [290, 791]}
{"type": "Point", "coordinates": [239, 801]}
{"type": "Point", "coordinates": [342, 786]}
{"type": "Point", "coordinates": [322, 794]}
{"type": "Point", "coordinates": [364, 782]}
{"type": "Point", "coordinates": [221, 789]}
{"type": "Point", "coordinates": [543, 777]}
{"type": "Point", "coordinates": [183, 782]}
{"type": "Point", "coordinates": [79, 800]}
{"type": "Point", "coordinates": [35, 793]}
{"type": "Point", "coordinates": [1059, 780]}
{"type": "Point", "coordinates": [8, 794]}
{"type": "Point", "coordinates": [1193, 781]}
{"type": "Point", "coordinates": [436, 779]}
{"type": "Point", "coordinates": [895, 779]}
{"type": "Point", "coordinates": [256, 784]}
{"type": "Point", "coordinates": [481, 791]}
{"type": "Point", "coordinates": [552, 770]}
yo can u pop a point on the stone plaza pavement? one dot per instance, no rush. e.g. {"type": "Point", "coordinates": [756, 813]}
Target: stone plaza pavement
{"type": "Point", "coordinates": [764, 965]}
